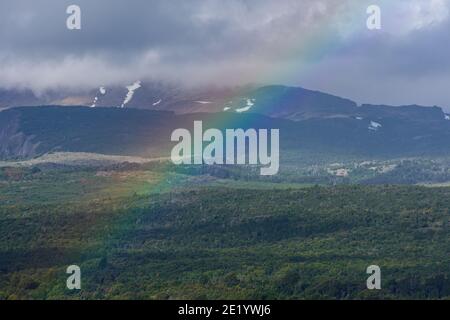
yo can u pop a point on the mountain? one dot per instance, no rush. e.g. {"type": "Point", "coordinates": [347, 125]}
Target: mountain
{"type": "Point", "coordinates": [27, 132]}
{"type": "Point", "coordinates": [146, 95]}
{"type": "Point", "coordinates": [309, 121]}
{"type": "Point", "coordinates": [293, 103]}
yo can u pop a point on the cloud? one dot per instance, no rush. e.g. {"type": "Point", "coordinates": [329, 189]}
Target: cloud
{"type": "Point", "coordinates": [323, 44]}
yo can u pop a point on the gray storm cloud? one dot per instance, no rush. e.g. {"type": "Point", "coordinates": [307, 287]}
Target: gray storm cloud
{"type": "Point", "coordinates": [323, 45]}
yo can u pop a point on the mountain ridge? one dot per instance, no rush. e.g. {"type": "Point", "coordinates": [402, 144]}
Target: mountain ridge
{"type": "Point", "coordinates": [294, 103]}
{"type": "Point", "coordinates": [27, 132]}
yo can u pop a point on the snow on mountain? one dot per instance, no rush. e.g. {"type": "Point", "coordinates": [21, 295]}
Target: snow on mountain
{"type": "Point", "coordinates": [157, 103]}
{"type": "Point", "coordinates": [131, 90]}
{"type": "Point", "coordinates": [102, 91]}
{"type": "Point", "coordinates": [250, 104]}
{"type": "Point", "coordinates": [374, 126]}
{"type": "Point", "coordinates": [203, 102]}
{"type": "Point", "coordinates": [94, 104]}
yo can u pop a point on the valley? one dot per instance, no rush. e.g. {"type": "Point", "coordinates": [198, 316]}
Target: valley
{"type": "Point", "coordinates": [95, 187]}
{"type": "Point", "coordinates": [151, 234]}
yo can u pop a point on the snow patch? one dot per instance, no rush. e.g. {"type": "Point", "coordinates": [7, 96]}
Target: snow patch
{"type": "Point", "coordinates": [157, 102]}
{"type": "Point", "coordinates": [447, 117]}
{"type": "Point", "coordinates": [131, 90]}
{"type": "Point", "coordinates": [374, 126]}
{"type": "Point", "coordinates": [94, 104]}
{"type": "Point", "coordinates": [359, 118]}
{"type": "Point", "coordinates": [203, 102]}
{"type": "Point", "coordinates": [250, 104]}
{"type": "Point", "coordinates": [102, 91]}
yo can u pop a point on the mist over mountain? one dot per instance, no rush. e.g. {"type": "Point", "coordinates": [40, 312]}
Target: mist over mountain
{"type": "Point", "coordinates": [309, 121]}
{"type": "Point", "coordinates": [295, 103]}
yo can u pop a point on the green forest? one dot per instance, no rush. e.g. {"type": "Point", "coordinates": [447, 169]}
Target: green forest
{"type": "Point", "coordinates": [157, 234]}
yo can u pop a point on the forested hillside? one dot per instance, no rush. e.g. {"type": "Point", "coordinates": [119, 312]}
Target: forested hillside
{"type": "Point", "coordinates": [153, 235]}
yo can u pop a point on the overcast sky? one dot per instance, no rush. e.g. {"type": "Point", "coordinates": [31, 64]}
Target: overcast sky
{"type": "Point", "coordinates": [318, 44]}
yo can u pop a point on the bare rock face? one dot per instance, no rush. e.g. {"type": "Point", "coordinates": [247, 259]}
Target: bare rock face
{"type": "Point", "coordinates": [15, 144]}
